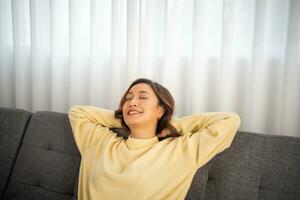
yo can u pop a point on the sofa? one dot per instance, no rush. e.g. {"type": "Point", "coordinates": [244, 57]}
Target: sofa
{"type": "Point", "coordinates": [39, 160]}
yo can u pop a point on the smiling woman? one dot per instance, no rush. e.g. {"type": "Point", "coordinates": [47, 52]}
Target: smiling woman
{"type": "Point", "coordinates": [148, 167]}
{"type": "Point", "coordinates": [146, 109]}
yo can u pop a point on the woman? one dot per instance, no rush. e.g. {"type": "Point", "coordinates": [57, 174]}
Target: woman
{"type": "Point", "coordinates": [161, 155]}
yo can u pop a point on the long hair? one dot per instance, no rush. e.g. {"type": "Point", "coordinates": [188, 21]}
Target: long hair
{"type": "Point", "coordinates": [165, 100]}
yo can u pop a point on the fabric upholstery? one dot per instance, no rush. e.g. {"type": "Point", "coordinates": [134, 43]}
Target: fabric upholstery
{"type": "Point", "coordinates": [48, 163]}
{"type": "Point", "coordinates": [255, 167]}
{"type": "Point", "coordinates": [13, 123]}
{"type": "Point", "coordinates": [280, 171]}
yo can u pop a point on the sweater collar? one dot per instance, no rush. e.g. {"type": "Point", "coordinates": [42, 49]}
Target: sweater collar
{"type": "Point", "coordinates": [135, 143]}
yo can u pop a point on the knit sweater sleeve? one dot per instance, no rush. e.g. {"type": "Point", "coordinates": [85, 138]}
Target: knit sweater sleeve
{"type": "Point", "coordinates": [91, 124]}
{"type": "Point", "coordinates": [207, 134]}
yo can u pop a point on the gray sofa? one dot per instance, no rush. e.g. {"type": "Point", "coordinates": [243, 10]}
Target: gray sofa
{"type": "Point", "coordinates": [39, 160]}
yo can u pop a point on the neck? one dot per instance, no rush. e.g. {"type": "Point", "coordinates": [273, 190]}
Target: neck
{"type": "Point", "coordinates": [142, 132]}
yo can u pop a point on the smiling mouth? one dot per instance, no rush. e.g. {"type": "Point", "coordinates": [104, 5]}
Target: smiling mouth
{"type": "Point", "coordinates": [132, 113]}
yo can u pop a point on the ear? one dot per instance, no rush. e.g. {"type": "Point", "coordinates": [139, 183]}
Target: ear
{"type": "Point", "coordinates": [161, 112]}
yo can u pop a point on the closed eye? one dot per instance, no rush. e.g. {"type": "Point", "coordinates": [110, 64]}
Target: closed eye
{"type": "Point", "coordinates": [129, 98]}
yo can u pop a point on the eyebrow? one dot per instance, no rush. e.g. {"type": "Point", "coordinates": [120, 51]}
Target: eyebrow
{"type": "Point", "coordinates": [143, 91]}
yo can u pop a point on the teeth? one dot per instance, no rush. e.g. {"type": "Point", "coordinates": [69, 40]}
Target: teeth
{"type": "Point", "coordinates": [133, 112]}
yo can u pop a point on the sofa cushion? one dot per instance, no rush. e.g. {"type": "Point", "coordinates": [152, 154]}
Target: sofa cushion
{"type": "Point", "coordinates": [280, 172]}
{"type": "Point", "coordinates": [12, 127]}
{"type": "Point", "coordinates": [255, 167]}
{"type": "Point", "coordinates": [234, 172]}
{"type": "Point", "coordinates": [48, 163]}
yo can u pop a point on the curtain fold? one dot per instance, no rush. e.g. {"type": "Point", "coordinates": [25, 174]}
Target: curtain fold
{"type": "Point", "coordinates": [213, 55]}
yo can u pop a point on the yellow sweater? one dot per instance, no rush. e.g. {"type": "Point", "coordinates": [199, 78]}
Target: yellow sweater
{"type": "Point", "coordinates": [114, 168]}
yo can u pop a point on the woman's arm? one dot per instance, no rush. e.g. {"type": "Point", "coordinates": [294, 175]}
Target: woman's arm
{"type": "Point", "coordinates": [208, 134]}
{"type": "Point", "coordinates": [196, 122]}
{"type": "Point", "coordinates": [90, 124]}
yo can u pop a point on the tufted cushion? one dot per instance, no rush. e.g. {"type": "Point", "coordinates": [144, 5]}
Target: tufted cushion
{"type": "Point", "coordinates": [256, 166]}
{"type": "Point", "coordinates": [48, 163]}
{"type": "Point", "coordinates": [13, 123]}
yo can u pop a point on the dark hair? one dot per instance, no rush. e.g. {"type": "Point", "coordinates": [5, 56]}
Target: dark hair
{"type": "Point", "coordinates": [165, 100]}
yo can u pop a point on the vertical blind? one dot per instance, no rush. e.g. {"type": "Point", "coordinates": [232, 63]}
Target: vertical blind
{"type": "Point", "coordinates": [213, 55]}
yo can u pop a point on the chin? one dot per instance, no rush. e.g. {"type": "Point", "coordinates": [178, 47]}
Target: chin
{"type": "Point", "coordinates": [134, 122]}
{"type": "Point", "coordinates": [131, 123]}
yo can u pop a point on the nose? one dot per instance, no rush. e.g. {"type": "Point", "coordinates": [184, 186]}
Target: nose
{"type": "Point", "coordinates": [133, 102]}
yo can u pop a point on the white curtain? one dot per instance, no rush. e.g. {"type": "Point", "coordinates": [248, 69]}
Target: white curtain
{"type": "Point", "coordinates": [213, 55]}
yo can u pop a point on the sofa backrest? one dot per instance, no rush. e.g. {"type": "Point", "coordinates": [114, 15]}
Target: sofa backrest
{"type": "Point", "coordinates": [48, 163]}
{"type": "Point", "coordinates": [255, 167]}
{"type": "Point", "coordinates": [13, 123]}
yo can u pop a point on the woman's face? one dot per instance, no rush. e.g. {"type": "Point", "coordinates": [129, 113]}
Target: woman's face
{"type": "Point", "coordinates": [141, 106]}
